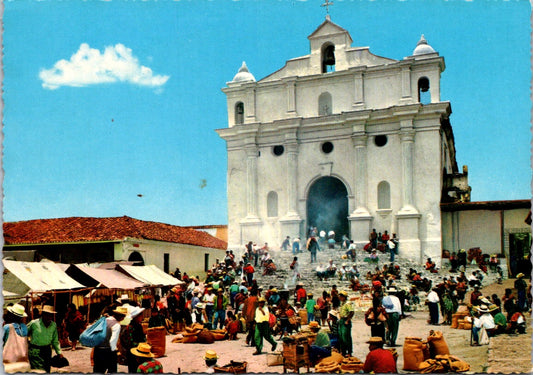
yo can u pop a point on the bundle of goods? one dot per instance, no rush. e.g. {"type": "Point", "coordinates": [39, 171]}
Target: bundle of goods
{"type": "Point", "coordinates": [185, 338]}
{"type": "Point", "coordinates": [219, 334]}
{"type": "Point", "coordinates": [156, 337]}
{"type": "Point", "coordinates": [415, 351]}
{"type": "Point", "coordinates": [330, 364]}
{"type": "Point", "coordinates": [189, 335]}
{"type": "Point", "coordinates": [232, 367]}
{"type": "Point", "coordinates": [437, 344]}
{"type": "Point", "coordinates": [206, 337]}
{"type": "Point", "coordinates": [443, 363]}
{"type": "Point", "coordinates": [351, 365]}
{"type": "Point", "coordinates": [327, 366]}
{"type": "Point", "coordinates": [465, 323]}
{"type": "Point", "coordinates": [461, 314]}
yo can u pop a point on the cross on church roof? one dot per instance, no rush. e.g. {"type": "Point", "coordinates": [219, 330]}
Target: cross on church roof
{"type": "Point", "coordinates": [327, 4]}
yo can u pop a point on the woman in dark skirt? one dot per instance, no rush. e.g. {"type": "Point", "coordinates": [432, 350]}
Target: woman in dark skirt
{"type": "Point", "coordinates": [74, 324]}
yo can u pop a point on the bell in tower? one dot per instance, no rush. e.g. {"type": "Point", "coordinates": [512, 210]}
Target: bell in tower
{"type": "Point", "coordinates": [328, 59]}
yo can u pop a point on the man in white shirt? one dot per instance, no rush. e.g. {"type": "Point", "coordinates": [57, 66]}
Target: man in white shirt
{"type": "Point", "coordinates": [485, 320]}
{"type": "Point", "coordinates": [433, 304]}
{"type": "Point", "coordinates": [393, 307]}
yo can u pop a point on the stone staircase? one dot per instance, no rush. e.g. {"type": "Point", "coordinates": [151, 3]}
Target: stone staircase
{"type": "Point", "coordinates": [282, 278]}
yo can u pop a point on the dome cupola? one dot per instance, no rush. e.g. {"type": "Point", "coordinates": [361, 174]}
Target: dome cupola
{"type": "Point", "coordinates": [243, 74]}
{"type": "Point", "coordinates": [422, 47]}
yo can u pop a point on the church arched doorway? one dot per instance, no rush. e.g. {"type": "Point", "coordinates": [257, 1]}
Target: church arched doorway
{"type": "Point", "coordinates": [327, 206]}
{"type": "Point", "coordinates": [137, 258]}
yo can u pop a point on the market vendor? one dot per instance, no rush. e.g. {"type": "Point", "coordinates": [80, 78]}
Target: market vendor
{"type": "Point", "coordinates": [379, 360]}
{"type": "Point", "coordinates": [321, 348]}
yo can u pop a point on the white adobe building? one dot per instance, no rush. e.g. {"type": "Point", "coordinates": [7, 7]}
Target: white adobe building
{"type": "Point", "coordinates": [343, 140]}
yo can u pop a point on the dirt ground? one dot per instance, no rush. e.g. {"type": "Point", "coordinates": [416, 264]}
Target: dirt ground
{"type": "Point", "coordinates": [505, 354]}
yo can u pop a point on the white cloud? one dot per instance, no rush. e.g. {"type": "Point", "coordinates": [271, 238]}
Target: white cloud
{"type": "Point", "coordinates": [89, 67]}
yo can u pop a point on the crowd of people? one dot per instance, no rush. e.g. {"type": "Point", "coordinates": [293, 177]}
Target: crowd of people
{"type": "Point", "coordinates": [231, 298]}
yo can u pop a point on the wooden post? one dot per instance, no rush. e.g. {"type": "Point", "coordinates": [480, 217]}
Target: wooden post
{"type": "Point", "coordinates": [55, 294]}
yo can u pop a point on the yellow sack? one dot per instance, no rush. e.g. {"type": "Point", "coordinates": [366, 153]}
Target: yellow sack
{"type": "Point", "coordinates": [413, 353]}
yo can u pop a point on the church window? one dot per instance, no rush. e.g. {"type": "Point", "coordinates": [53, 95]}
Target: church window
{"type": "Point", "coordinates": [272, 204]}
{"type": "Point", "coordinates": [383, 195]}
{"type": "Point", "coordinates": [328, 58]}
{"type": "Point", "coordinates": [324, 104]}
{"type": "Point", "coordinates": [424, 95]}
{"type": "Point", "coordinates": [327, 147]}
{"type": "Point", "coordinates": [278, 150]}
{"type": "Point", "coordinates": [380, 140]}
{"type": "Point", "coordinates": [239, 113]}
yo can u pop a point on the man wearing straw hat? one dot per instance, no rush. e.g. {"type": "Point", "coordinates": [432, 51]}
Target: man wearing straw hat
{"type": "Point", "coordinates": [262, 328]}
{"type": "Point", "coordinates": [485, 320]}
{"type": "Point", "coordinates": [521, 286]}
{"type": "Point", "coordinates": [43, 336]}
{"type": "Point", "coordinates": [147, 363]}
{"type": "Point", "coordinates": [321, 348]}
{"type": "Point", "coordinates": [105, 354]}
{"type": "Point", "coordinates": [346, 312]}
{"type": "Point", "coordinates": [379, 360]}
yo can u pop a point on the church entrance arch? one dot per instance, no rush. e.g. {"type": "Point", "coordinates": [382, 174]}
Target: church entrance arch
{"type": "Point", "coordinates": [327, 206]}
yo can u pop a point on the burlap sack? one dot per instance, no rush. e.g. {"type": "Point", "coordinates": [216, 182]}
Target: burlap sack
{"type": "Point", "coordinates": [219, 334]}
{"type": "Point", "coordinates": [437, 344]}
{"type": "Point", "coordinates": [335, 357]}
{"type": "Point", "coordinates": [413, 353]}
{"type": "Point", "coordinates": [206, 337]}
{"type": "Point", "coordinates": [155, 336]}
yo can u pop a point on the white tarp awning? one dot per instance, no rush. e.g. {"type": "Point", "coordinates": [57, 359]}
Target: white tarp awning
{"type": "Point", "coordinates": [111, 279]}
{"type": "Point", "coordinates": [150, 275]}
{"type": "Point", "coordinates": [39, 276]}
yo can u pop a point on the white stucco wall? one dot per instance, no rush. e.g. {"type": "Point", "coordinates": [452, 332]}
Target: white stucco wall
{"type": "Point", "coordinates": [371, 95]}
{"type": "Point", "coordinates": [481, 228]}
{"type": "Point", "coordinates": [188, 258]}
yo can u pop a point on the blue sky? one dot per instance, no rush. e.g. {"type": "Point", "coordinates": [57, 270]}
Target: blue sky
{"type": "Point", "coordinates": [106, 100]}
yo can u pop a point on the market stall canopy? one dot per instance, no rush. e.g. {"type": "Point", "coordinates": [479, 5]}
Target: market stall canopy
{"type": "Point", "coordinates": [37, 276]}
{"type": "Point", "coordinates": [149, 274]}
{"type": "Point", "coordinates": [111, 279]}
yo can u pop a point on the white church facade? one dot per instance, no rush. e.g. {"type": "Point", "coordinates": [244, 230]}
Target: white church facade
{"type": "Point", "coordinates": [344, 140]}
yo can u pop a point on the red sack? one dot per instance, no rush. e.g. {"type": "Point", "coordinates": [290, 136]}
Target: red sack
{"type": "Point", "coordinates": [272, 320]}
{"type": "Point", "coordinates": [367, 246]}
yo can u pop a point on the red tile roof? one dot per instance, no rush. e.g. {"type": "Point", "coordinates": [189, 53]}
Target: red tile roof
{"type": "Point", "coordinates": [89, 229]}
